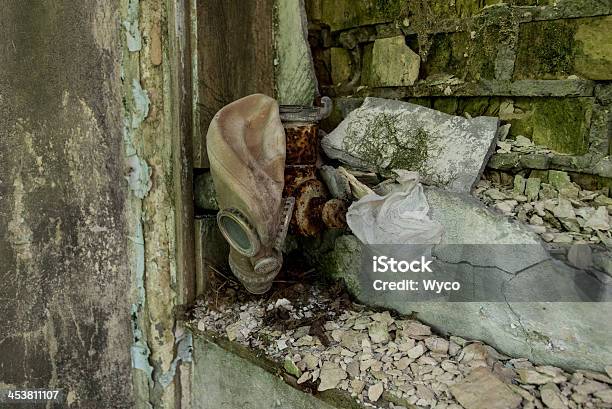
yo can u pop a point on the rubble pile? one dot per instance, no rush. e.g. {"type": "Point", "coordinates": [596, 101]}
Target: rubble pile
{"type": "Point", "coordinates": [553, 206]}
{"type": "Point", "coordinates": [393, 362]}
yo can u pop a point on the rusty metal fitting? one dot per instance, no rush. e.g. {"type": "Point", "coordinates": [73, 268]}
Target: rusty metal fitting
{"type": "Point", "coordinates": [313, 211]}
{"type": "Point", "coordinates": [334, 213]}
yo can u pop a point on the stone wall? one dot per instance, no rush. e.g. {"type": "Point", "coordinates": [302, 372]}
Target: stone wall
{"type": "Point", "coordinates": [543, 68]}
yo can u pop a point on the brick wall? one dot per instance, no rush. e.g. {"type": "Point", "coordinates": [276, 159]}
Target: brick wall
{"type": "Point", "coordinates": [544, 68]}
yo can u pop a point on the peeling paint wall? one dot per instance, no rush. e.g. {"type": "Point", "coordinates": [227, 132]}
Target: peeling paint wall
{"type": "Point", "coordinates": [157, 150]}
{"type": "Point", "coordinates": [96, 214]}
{"type": "Point", "coordinates": [63, 260]}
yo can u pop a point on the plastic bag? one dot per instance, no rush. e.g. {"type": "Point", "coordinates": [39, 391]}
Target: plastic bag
{"type": "Point", "coordinates": [400, 217]}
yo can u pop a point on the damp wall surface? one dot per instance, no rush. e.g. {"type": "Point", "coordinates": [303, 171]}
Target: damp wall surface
{"type": "Point", "coordinates": [544, 67]}
{"type": "Point", "coordinates": [64, 298]}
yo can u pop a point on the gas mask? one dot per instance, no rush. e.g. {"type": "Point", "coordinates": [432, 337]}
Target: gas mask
{"type": "Point", "coordinates": [246, 150]}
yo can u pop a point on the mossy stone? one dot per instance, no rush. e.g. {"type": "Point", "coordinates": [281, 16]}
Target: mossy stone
{"type": "Point", "coordinates": [558, 179]}
{"type": "Point", "coordinates": [446, 105]}
{"type": "Point", "coordinates": [341, 14]}
{"type": "Point", "coordinates": [532, 188]}
{"type": "Point", "coordinates": [504, 161]}
{"type": "Point", "coordinates": [393, 63]}
{"type": "Point", "coordinates": [477, 106]}
{"type": "Point", "coordinates": [562, 124]}
{"type": "Point", "coordinates": [435, 9]}
{"type": "Point", "coordinates": [539, 174]}
{"type": "Point", "coordinates": [546, 50]}
{"type": "Point", "coordinates": [535, 161]}
{"type": "Point", "coordinates": [519, 185]}
{"type": "Point", "coordinates": [447, 55]}
{"type": "Point", "coordinates": [366, 64]}
{"type": "Point", "coordinates": [291, 367]}
{"type": "Point", "coordinates": [340, 65]}
{"type": "Point", "coordinates": [594, 48]}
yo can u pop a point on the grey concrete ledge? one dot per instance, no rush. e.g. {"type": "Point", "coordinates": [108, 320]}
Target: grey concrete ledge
{"type": "Point", "coordinates": [457, 88]}
{"type": "Point", "coordinates": [589, 164]}
{"type": "Point", "coordinates": [234, 367]}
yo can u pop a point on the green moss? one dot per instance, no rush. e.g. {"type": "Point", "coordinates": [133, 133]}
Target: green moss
{"type": "Point", "coordinates": [341, 14]}
{"type": "Point", "coordinates": [594, 48]}
{"type": "Point", "coordinates": [546, 50]}
{"type": "Point", "coordinates": [446, 105]}
{"type": "Point", "coordinates": [478, 106]}
{"type": "Point", "coordinates": [340, 65]}
{"type": "Point", "coordinates": [384, 146]}
{"type": "Point", "coordinates": [435, 9]}
{"type": "Point", "coordinates": [447, 55]}
{"type": "Point", "coordinates": [366, 64]}
{"type": "Point", "coordinates": [562, 124]}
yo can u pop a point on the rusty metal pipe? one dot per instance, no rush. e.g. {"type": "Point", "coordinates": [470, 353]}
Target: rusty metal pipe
{"type": "Point", "coordinates": [313, 211]}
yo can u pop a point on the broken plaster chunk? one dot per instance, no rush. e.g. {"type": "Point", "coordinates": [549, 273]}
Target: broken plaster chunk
{"type": "Point", "coordinates": [551, 396]}
{"type": "Point", "coordinates": [599, 220]}
{"type": "Point", "coordinates": [330, 376]}
{"type": "Point", "coordinates": [483, 390]}
{"type": "Point", "coordinates": [305, 376]}
{"type": "Point", "coordinates": [379, 332]}
{"type": "Point", "coordinates": [412, 329]}
{"type": "Point", "coordinates": [357, 385]}
{"type": "Point", "coordinates": [233, 330]}
{"type": "Point", "coordinates": [448, 151]}
{"type": "Point", "coordinates": [417, 351]}
{"type": "Point", "coordinates": [604, 395]}
{"type": "Point", "coordinates": [375, 391]}
{"type": "Point", "coordinates": [437, 345]}
{"type": "Point", "coordinates": [590, 387]}
{"type": "Point", "coordinates": [531, 376]}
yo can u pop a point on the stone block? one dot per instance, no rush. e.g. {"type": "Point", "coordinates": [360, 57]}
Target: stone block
{"type": "Point", "coordinates": [519, 185]}
{"type": "Point", "coordinates": [558, 179]}
{"type": "Point", "coordinates": [562, 124]}
{"type": "Point", "coordinates": [447, 55]}
{"type": "Point", "coordinates": [204, 192]}
{"type": "Point", "coordinates": [532, 188]}
{"type": "Point", "coordinates": [545, 50]}
{"type": "Point", "coordinates": [342, 14]}
{"type": "Point", "coordinates": [340, 65]}
{"type": "Point", "coordinates": [393, 63]}
{"type": "Point", "coordinates": [234, 381]}
{"type": "Point", "coordinates": [383, 135]}
{"type": "Point", "coordinates": [593, 40]}
{"type": "Point", "coordinates": [504, 161]}
{"type": "Point", "coordinates": [539, 174]}
{"type": "Point", "coordinates": [559, 48]}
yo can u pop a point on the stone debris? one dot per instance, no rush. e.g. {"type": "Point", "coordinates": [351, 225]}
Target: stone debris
{"type": "Point", "coordinates": [481, 389]}
{"type": "Point", "coordinates": [389, 361]}
{"type": "Point", "coordinates": [552, 397]}
{"type": "Point", "coordinates": [375, 391]}
{"type": "Point", "coordinates": [574, 222]}
{"type": "Point", "coordinates": [330, 376]}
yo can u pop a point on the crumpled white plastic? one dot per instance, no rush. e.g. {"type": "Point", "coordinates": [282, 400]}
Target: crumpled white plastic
{"type": "Point", "coordinates": [400, 217]}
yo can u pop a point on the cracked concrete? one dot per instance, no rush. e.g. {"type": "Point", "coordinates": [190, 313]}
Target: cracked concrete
{"type": "Point", "coordinates": [527, 305]}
